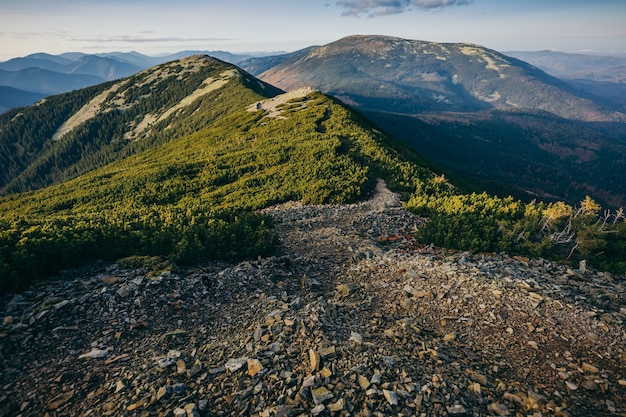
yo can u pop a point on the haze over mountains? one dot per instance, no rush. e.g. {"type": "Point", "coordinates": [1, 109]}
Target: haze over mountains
{"type": "Point", "coordinates": [12, 97]}
{"type": "Point", "coordinates": [602, 76]}
{"type": "Point", "coordinates": [576, 66]}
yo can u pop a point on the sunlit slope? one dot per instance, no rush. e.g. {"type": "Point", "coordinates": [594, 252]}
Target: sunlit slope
{"type": "Point", "coordinates": [190, 199]}
{"type": "Point", "coordinates": [71, 134]}
{"type": "Point", "coordinates": [410, 76]}
{"type": "Point", "coordinates": [500, 124]}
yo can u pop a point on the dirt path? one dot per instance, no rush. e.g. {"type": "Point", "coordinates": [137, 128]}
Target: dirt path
{"type": "Point", "coordinates": [352, 317]}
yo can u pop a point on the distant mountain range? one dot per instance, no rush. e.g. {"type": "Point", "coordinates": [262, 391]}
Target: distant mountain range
{"type": "Point", "coordinates": [493, 120]}
{"type": "Point", "coordinates": [48, 74]}
{"type": "Point", "coordinates": [604, 77]}
{"type": "Point", "coordinates": [409, 76]}
{"type": "Point", "coordinates": [12, 97]}
{"type": "Point", "coordinates": [576, 66]}
{"type": "Point", "coordinates": [39, 75]}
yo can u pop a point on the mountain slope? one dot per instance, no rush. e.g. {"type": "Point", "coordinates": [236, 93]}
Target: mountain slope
{"type": "Point", "coordinates": [353, 315]}
{"type": "Point", "coordinates": [174, 161]}
{"type": "Point", "coordinates": [349, 307]}
{"type": "Point", "coordinates": [260, 65]}
{"type": "Point", "coordinates": [171, 174]}
{"type": "Point", "coordinates": [500, 124]}
{"type": "Point", "coordinates": [12, 97]}
{"type": "Point", "coordinates": [401, 75]}
{"type": "Point", "coordinates": [604, 77]}
{"type": "Point", "coordinates": [71, 134]}
{"type": "Point", "coordinates": [525, 155]}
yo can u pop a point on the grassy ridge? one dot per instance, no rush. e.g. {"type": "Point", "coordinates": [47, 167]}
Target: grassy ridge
{"type": "Point", "coordinates": [192, 199]}
{"type": "Point", "coordinates": [35, 159]}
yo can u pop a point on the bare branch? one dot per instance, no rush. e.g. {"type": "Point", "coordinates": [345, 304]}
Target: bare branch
{"type": "Point", "coordinates": [565, 235]}
{"type": "Point", "coordinates": [573, 249]}
{"type": "Point", "coordinates": [603, 219]}
{"type": "Point", "coordinates": [619, 214]}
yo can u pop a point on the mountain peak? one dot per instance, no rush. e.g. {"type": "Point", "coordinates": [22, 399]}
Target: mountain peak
{"type": "Point", "coordinates": [152, 105]}
{"type": "Point", "coordinates": [489, 118]}
{"type": "Point", "coordinates": [432, 76]}
{"type": "Point", "coordinates": [116, 97]}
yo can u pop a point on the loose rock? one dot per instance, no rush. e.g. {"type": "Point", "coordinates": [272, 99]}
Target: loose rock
{"type": "Point", "coordinates": [352, 316]}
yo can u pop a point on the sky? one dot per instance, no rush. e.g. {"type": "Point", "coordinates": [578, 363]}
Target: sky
{"type": "Point", "coordinates": [157, 27]}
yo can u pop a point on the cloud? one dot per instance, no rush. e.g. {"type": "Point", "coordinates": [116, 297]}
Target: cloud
{"type": "Point", "coordinates": [375, 8]}
{"type": "Point", "coordinates": [141, 39]}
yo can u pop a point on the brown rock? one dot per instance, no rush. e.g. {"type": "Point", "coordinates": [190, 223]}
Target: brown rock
{"type": "Point", "coordinates": [337, 406]}
{"type": "Point", "coordinates": [59, 400]}
{"type": "Point", "coordinates": [254, 367]}
{"type": "Point", "coordinates": [320, 395]}
{"type": "Point", "coordinates": [364, 382]}
{"type": "Point", "coordinates": [138, 404]}
{"type": "Point", "coordinates": [449, 337]}
{"type": "Point", "coordinates": [325, 372]}
{"type": "Point", "coordinates": [590, 368]}
{"type": "Point", "coordinates": [315, 360]}
{"type": "Point", "coordinates": [391, 397]}
{"type": "Point", "coordinates": [181, 366]}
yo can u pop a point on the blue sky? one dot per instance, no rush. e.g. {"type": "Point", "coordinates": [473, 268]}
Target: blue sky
{"type": "Point", "coordinates": [157, 26]}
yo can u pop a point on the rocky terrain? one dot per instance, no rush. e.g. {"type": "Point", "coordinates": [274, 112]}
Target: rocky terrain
{"type": "Point", "coordinates": [352, 317]}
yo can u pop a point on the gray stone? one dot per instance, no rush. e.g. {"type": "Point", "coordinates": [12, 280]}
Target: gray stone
{"type": "Point", "coordinates": [356, 337]}
{"type": "Point", "coordinates": [233, 365]}
{"type": "Point", "coordinates": [95, 354]}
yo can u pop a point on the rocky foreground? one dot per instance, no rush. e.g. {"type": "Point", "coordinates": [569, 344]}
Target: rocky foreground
{"type": "Point", "coordinates": [353, 317]}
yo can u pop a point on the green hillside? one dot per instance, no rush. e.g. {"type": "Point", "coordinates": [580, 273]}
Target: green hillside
{"type": "Point", "coordinates": [191, 199]}
{"type": "Point", "coordinates": [530, 156]}
{"type": "Point", "coordinates": [71, 134]}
